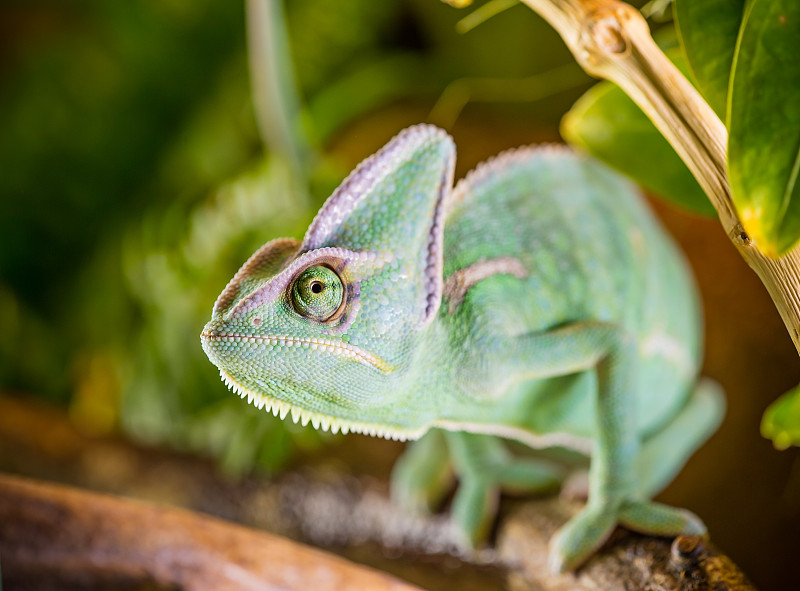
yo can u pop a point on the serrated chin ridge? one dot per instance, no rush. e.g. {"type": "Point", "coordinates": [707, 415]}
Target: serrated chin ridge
{"type": "Point", "coordinates": [282, 409]}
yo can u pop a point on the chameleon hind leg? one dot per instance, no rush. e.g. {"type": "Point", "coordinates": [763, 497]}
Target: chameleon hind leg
{"type": "Point", "coordinates": [665, 452]}
{"type": "Point", "coordinates": [614, 496]}
{"type": "Point", "coordinates": [484, 467]}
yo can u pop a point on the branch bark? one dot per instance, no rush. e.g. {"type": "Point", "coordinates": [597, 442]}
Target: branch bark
{"type": "Point", "coordinates": [97, 541]}
{"type": "Point", "coordinates": [610, 39]}
{"type": "Point", "coordinates": [73, 539]}
{"type": "Point", "coordinates": [628, 561]}
{"type": "Point", "coordinates": [54, 536]}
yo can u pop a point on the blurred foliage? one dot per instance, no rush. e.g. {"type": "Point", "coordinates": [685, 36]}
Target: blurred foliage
{"type": "Point", "coordinates": [742, 57]}
{"type": "Point", "coordinates": [327, 44]}
{"type": "Point", "coordinates": [764, 124]}
{"type": "Point", "coordinates": [87, 109]}
{"type": "Point", "coordinates": [134, 183]}
{"type": "Point", "coordinates": [708, 31]}
{"type": "Point", "coordinates": [611, 127]}
{"type": "Point", "coordinates": [781, 421]}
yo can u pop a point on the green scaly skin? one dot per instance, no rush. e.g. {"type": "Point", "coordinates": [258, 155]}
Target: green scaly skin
{"type": "Point", "coordinates": [537, 301]}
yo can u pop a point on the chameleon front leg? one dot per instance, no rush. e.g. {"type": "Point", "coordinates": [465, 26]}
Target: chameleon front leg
{"type": "Point", "coordinates": [424, 474]}
{"type": "Point", "coordinates": [485, 467]}
{"type": "Point", "coordinates": [613, 494]}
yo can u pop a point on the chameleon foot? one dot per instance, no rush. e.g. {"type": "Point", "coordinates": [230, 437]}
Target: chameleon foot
{"type": "Point", "coordinates": [585, 533]}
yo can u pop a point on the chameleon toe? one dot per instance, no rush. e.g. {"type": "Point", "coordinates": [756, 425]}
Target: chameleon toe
{"type": "Point", "coordinates": [660, 520]}
{"type": "Point", "coordinates": [580, 537]}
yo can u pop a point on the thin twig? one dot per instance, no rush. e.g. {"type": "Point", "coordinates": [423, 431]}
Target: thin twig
{"type": "Point", "coordinates": [463, 91]}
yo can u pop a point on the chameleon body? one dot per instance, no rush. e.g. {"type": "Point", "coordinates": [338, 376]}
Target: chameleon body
{"type": "Point", "coordinates": [538, 301]}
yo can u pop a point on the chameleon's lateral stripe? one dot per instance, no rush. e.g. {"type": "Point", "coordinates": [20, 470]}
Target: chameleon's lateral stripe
{"type": "Point", "coordinates": [458, 284]}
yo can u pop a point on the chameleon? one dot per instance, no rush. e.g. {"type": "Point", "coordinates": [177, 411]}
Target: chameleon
{"type": "Point", "coordinates": [538, 301]}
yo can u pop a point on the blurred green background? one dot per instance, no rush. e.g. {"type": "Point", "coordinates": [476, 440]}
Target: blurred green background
{"type": "Point", "coordinates": [135, 179]}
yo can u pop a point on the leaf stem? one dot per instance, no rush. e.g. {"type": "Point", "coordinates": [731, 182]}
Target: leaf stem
{"type": "Point", "coordinates": [275, 98]}
{"type": "Point", "coordinates": [610, 39]}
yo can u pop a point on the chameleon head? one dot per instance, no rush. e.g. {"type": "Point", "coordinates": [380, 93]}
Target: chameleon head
{"type": "Point", "coordinates": [326, 329]}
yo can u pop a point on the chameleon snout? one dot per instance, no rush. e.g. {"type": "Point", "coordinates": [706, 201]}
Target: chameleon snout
{"type": "Point", "coordinates": [213, 341]}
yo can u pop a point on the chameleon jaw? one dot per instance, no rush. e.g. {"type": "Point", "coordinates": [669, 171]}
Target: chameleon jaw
{"type": "Point", "coordinates": [325, 345]}
{"type": "Point", "coordinates": [282, 409]}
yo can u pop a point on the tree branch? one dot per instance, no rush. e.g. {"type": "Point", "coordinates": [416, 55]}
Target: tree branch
{"type": "Point", "coordinates": [53, 531]}
{"type": "Point", "coordinates": [610, 39]}
{"type": "Point", "coordinates": [54, 536]}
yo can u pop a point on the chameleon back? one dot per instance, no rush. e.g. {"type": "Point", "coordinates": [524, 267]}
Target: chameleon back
{"type": "Point", "coordinates": [589, 249]}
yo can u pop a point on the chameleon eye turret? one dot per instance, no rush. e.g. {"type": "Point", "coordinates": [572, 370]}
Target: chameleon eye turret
{"type": "Point", "coordinates": [318, 293]}
{"type": "Point", "coordinates": [538, 300]}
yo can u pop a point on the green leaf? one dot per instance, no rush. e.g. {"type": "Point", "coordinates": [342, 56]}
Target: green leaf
{"type": "Point", "coordinates": [764, 124]}
{"type": "Point", "coordinates": [609, 125]}
{"type": "Point", "coordinates": [708, 30]}
{"type": "Point", "coordinates": [781, 421]}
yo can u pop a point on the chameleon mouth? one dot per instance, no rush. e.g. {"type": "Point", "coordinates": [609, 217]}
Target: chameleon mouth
{"type": "Point", "coordinates": [336, 347]}
{"type": "Point", "coordinates": [282, 409]}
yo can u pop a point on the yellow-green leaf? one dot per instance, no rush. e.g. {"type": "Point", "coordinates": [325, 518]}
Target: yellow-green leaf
{"type": "Point", "coordinates": [609, 125]}
{"type": "Point", "coordinates": [764, 124]}
{"type": "Point", "coordinates": [781, 421]}
{"type": "Point", "coordinates": [708, 30]}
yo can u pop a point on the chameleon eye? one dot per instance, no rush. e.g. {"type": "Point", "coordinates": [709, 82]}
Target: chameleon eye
{"type": "Point", "coordinates": [317, 293]}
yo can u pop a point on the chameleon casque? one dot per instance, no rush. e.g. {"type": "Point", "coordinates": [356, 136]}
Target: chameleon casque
{"type": "Point", "coordinates": [538, 301]}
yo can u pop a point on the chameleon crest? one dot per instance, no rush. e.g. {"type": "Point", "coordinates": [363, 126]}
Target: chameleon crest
{"type": "Point", "coordinates": [538, 301]}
